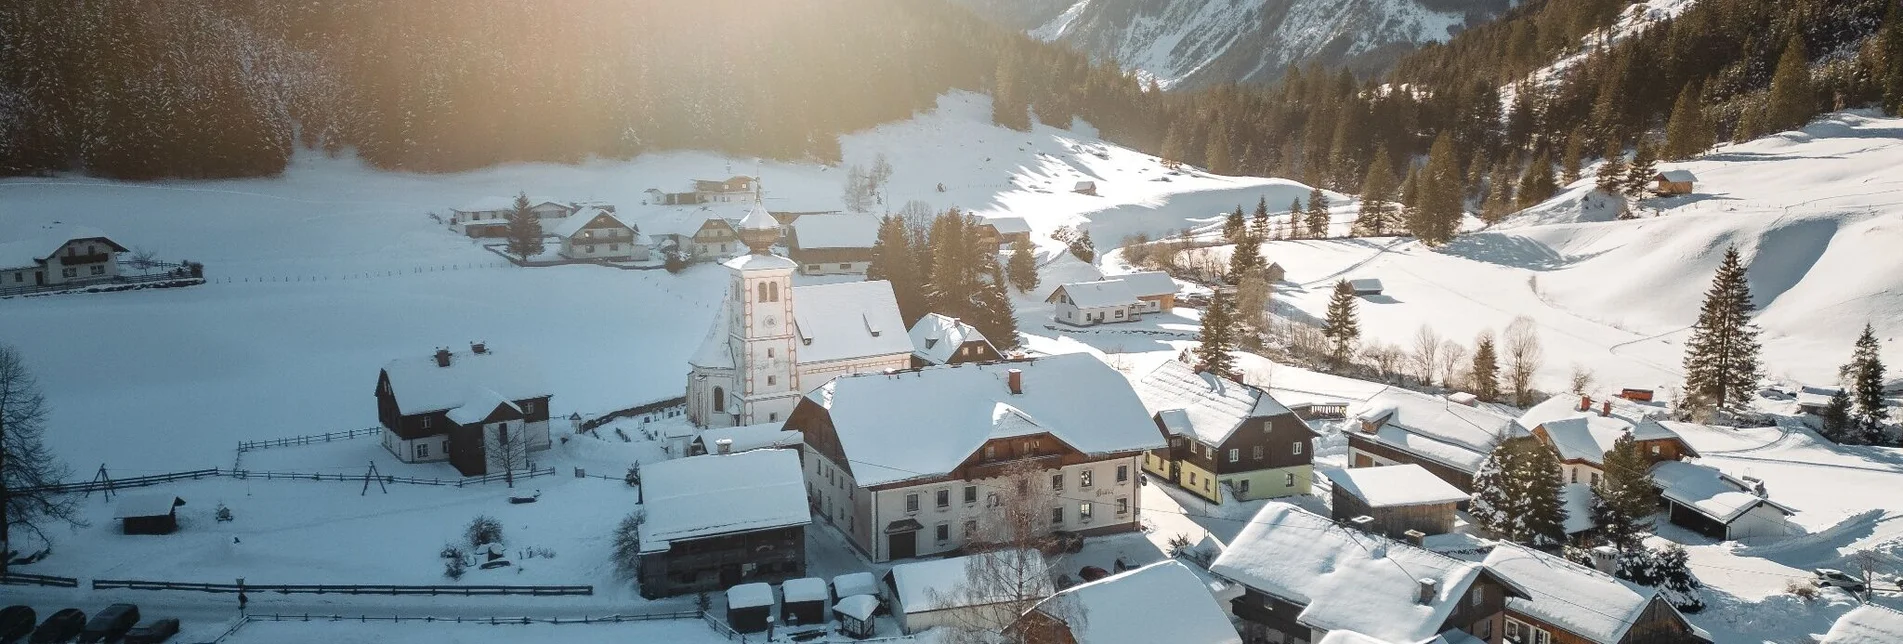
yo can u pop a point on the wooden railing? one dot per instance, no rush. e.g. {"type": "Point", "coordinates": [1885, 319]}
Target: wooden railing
{"type": "Point", "coordinates": [246, 446]}
{"type": "Point", "coordinates": [26, 579]}
{"type": "Point", "coordinates": [343, 589]}
{"type": "Point", "coordinates": [154, 479]}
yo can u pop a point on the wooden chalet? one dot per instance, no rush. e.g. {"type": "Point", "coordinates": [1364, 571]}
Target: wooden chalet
{"type": "Point", "coordinates": [594, 233]}
{"type": "Point", "coordinates": [941, 339]}
{"type": "Point", "coordinates": [453, 406]}
{"type": "Point", "coordinates": [1581, 431]}
{"type": "Point", "coordinates": [1085, 188]}
{"type": "Point", "coordinates": [1562, 602]}
{"type": "Point", "coordinates": [1162, 602]}
{"type": "Point", "coordinates": [1225, 439]}
{"type": "Point", "coordinates": [718, 520]}
{"type": "Point", "coordinates": [832, 244]}
{"type": "Point", "coordinates": [1004, 231]}
{"type": "Point", "coordinates": [1394, 500]}
{"type": "Point", "coordinates": [1673, 182]}
{"type": "Point", "coordinates": [1447, 439]}
{"type": "Point", "coordinates": [147, 513]}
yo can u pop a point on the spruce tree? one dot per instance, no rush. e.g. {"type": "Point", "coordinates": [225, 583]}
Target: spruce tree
{"type": "Point", "coordinates": [1838, 423]}
{"type": "Point", "coordinates": [1644, 168]}
{"type": "Point", "coordinates": [1317, 214]}
{"type": "Point", "coordinates": [1261, 217]}
{"type": "Point", "coordinates": [1721, 359]}
{"type": "Point", "coordinates": [1216, 154]}
{"type": "Point", "coordinates": [992, 311]}
{"type": "Point", "coordinates": [1545, 520]}
{"type": "Point", "coordinates": [1295, 219]}
{"type": "Point", "coordinates": [1377, 197]}
{"type": "Point", "coordinates": [1234, 226]}
{"type": "Point", "coordinates": [1517, 494]}
{"type": "Point", "coordinates": [1246, 257]}
{"type": "Point", "coordinates": [1625, 499]}
{"type": "Point", "coordinates": [1575, 152]}
{"type": "Point", "coordinates": [1610, 178]}
{"type": "Point", "coordinates": [524, 229]}
{"type": "Point", "coordinates": [1537, 183]}
{"type": "Point", "coordinates": [1495, 501]}
{"type": "Point", "coordinates": [1442, 185]}
{"type": "Point", "coordinates": [1890, 55]}
{"type": "Point", "coordinates": [1218, 339]}
{"type": "Point", "coordinates": [1023, 266]}
{"type": "Point", "coordinates": [1485, 379]}
{"type": "Point", "coordinates": [1341, 328]}
{"type": "Point", "coordinates": [1792, 101]}
{"type": "Point", "coordinates": [1866, 380]}
{"type": "Point", "coordinates": [1499, 201]}
{"type": "Point", "coordinates": [1688, 132]}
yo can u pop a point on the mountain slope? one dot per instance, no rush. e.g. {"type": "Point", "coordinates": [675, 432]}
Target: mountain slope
{"type": "Point", "coordinates": [1196, 43]}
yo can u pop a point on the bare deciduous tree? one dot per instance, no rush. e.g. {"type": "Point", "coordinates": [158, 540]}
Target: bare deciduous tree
{"type": "Point", "coordinates": [1252, 309]}
{"type": "Point", "coordinates": [1426, 355]}
{"type": "Point", "coordinates": [508, 450]}
{"type": "Point", "coordinates": [1385, 358]}
{"type": "Point", "coordinates": [25, 463]}
{"type": "Point", "coordinates": [1453, 356]}
{"type": "Point", "coordinates": [1581, 379]}
{"type": "Point", "coordinates": [1522, 355]}
{"type": "Point", "coordinates": [1007, 574]}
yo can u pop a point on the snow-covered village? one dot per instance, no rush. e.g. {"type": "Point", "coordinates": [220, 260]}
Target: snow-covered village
{"type": "Point", "coordinates": [952, 321]}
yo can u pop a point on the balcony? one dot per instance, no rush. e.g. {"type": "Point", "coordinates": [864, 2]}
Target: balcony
{"type": "Point", "coordinates": [995, 469]}
{"type": "Point", "coordinates": [77, 260]}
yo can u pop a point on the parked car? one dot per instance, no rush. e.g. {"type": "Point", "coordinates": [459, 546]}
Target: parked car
{"type": "Point", "coordinates": [1827, 577]}
{"type": "Point", "coordinates": [16, 622]}
{"type": "Point", "coordinates": [110, 624]}
{"type": "Point", "coordinates": [61, 626]}
{"type": "Point", "coordinates": [153, 632]}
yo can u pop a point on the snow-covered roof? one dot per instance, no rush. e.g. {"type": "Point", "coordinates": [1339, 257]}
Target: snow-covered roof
{"type": "Point", "coordinates": [1585, 438]}
{"type": "Point", "coordinates": [27, 253]}
{"type": "Point", "coordinates": [1098, 294]}
{"type": "Point", "coordinates": [758, 219]}
{"type": "Point", "coordinates": [1866, 624]}
{"type": "Point", "coordinates": [1472, 428]}
{"type": "Point", "coordinates": [939, 584]}
{"type": "Point", "coordinates": [474, 379]}
{"type": "Point", "coordinates": [713, 351]}
{"type": "Point", "coordinates": [1346, 579]}
{"type": "Point", "coordinates": [1201, 405]}
{"type": "Point", "coordinates": [573, 224]}
{"type": "Point", "coordinates": [1395, 485]}
{"type": "Point", "coordinates": [1588, 603]}
{"type": "Point", "coordinates": [804, 589]}
{"type": "Point", "coordinates": [714, 494]}
{"type": "Point", "coordinates": [1365, 285]}
{"type": "Point", "coordinates": [479, 404]}
{"type": "Point", "coordinates": [1577, 499]}
{"type": "Point", "coordinates": [925, 422]}
{"type": "Point", "coordinates": [1124, 608]}
{"type": "Point", "coordinates": [1678, 175]}
{"type": "Point", "coordinates": [133, 506]}
{"type": "Point", "coordinates": [1707, 490]}
{"type": "Point", "coordinates": [855, 583]}
{"type": "Point", "coordinates": [936, 337]}
{"type": "Point", "coordinates": [1007, 225]}
{"type": "Point", "coordinates": [836, 231]}
{"type": "Point", "coordinates": [847, 321]}
{"type": "Point", "coordinates": [754, 595]}
{"type": "Point", "coordinates": [497, 202]}
{"type": "Point", "coordinates": [1813, 396]}
{"type": "Point", "coordinates": [750, 437]}
{"type": "Point", "coordinates": [760, 261]}
{"type": "Point", "coordinates": [859, 607]}
{"type": "Point", "coordinates": [1148, 283]}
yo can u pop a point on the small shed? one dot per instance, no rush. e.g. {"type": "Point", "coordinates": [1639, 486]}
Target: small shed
{"type": "Point", "coordinates": [1463, 398]}
{"type": "Point", "coordinates": [803, 601]}
{"type": "Point", "coordinates": [749, 607]}
{"type": "Point", "coordinates": [1085, 188]}
{"type": "Point", "coordinates": [1636, 395]}
{"type": "Point", "coordinates": [148, 513]}
{"type": "Point", "coordinates": [1365, 286]}
{"type": "Point", "coordinates": [1674, 182]}
{"type": "Point", "coordinates": [855, 615]}
{"type": "Point", "coordinates": [1395, 499]}
{"type": "Point", "coordinates": [1275, 273]}
{"type": "Point", "coordinates": [1815, 400]}
{"type": "Point", "coordinates": [856, 583]}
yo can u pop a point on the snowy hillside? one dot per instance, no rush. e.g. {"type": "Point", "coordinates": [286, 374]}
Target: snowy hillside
{"type": "Point", "coordinates": [1187, 43]}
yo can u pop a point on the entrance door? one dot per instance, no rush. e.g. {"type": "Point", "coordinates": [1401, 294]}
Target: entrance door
{"type": "Point", "coordinates": [903, 545]}
{"type": "Point", "coordinates": [729, 575]}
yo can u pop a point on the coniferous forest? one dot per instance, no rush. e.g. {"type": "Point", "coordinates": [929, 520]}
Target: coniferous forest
{"type": "Point", "coordinates": [127, 88]}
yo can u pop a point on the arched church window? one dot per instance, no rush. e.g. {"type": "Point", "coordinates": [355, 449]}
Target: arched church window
{"type": "Point", "coordinates": [720, 400]}
{"type": "Point", "coordinates": [773, 289]}
{"type": "Point", "coordinates": [761, 297]}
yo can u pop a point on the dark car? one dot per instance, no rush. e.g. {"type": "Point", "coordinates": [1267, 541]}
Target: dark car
{"type": "Point", "coordinates": [153, 632]}
{"type": "Point", "coordinates": [110, 624]}
{"type": "Point", "coordinates": [62, 626]}
{"type": "Point", "coordinates": [16, 622]}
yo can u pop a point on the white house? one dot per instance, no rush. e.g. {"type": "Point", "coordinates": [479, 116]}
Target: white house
{"type": "Point", "coordinates": [833, 244]}
{"type": "Point", "coordinates": [772, 342]}
{"type": "Point", "coordinates": [1717, 505]}
{"type": "Point", "coordinates": [76, 256]}
{"type": "Point", "coordinates": [910, 463]}
{"type": "Point", "coordinates": [1122, 298]}
{"type": "Point", "coordinates": [1161, 602]}
{"type": "Point", "coordinates": [942, 339]}
{"type": "Point", "coordinates": [455, 406]}
{"type": "Point", "coordinates": [489, 216]}
{"type": "Point", "coordinates": [744, 438]}
{"type": "Point", "coordinates": [593, 233]}
{"type": "Point", "coordinates": [940, 592]}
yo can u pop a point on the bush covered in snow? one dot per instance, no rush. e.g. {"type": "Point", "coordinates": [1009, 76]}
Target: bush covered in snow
{"type": "Point", "coordinates": [627, 552]}
{"type": "Point", "coordinates": [483, 530]}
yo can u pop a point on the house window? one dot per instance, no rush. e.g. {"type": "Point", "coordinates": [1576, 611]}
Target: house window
{"type": "Point", "coordinates": [769, 352]}
{"type": "Point", "coordinates": [991, 452]}
{"type": "Point", "coordinates": [1255, 453]}
{"type": "Point", "coordinates": [1123, 505]}
{"type": "Point", "coordinates": [1235, 455]}
{"type": "Point", "coordinates": [911, 503]}
{"type": "Point", "coordinates": [1595, 479]}
{"type": "Point", "coordinates": [1485, 631]}
{"type": "Point", "coordinates": [1477, 596]}
{"type": "Point", "coordinates": [773, 417]}
{"type": "Point", "coordinates": [1057, 516]}
{"type": "Point", "coordinates": [614, 247]}
{"type": "Point", "coordinates": [944, 499]}
{"type": "Point", "coordinates": [589, 249]}
{"type": "Point", "coordinates": [1057, 481]}
{"type": "Point", "coordinates": [422, 450]}
{"type": "Point", "coordinates": [773, 290]}
{"type": "Point", "coordinates": [1119, 314]}
{"type": "Point", "coordinates": [943, 532]}
{"type": "Point", "coordinates": [1192, 478]}
{"type": "Point", "coordinates": [812, 267]}
{"type": "Point", "coordinates": [1288, 479]}
{"type": "Point", "coordinates": [19, 277]}
{"type": "Point", "coordinates": [1242, 487]}
{"type": "Point", "coordinates": [761, 288]}
{"type": "Point", "coordinates": [69, 272]}
{"type": "Point", "coordinates": [1655, 450]}
{"type": "Point", "coordinates": [971, 494]}
{"type": "Point", "coordinates": [772, 380]}
{"type": "Point", "coordinates": [1083, 511]}
{"type": "Point", "coordinates": [720, 400]}
{"type": "Point", "coordinates": [991, 500]}
{"type": "Point", "coordinates": [100, 269]}
{"type": "Point", "coordinates": [1575, 473]}
{"type": "Point", "coordinates": [1123, 473]}
{"type": "Point", "coordinates": [1083, 478]}
{"type": "Point", "coordinates": [426, 420]}
{"type": "Point", "coordinates": [844, 267]}
{"type": "Point", "coordinates": [502, 433]}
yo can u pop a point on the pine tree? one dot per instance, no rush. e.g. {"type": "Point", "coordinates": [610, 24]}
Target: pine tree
{"type": "Point", "coordinates": [895, 259]}
{"type": "Point", "coordinates": [1218, 339]}
{"type": "Point", "coordinates": [1721, 359]}
{"type": "Point", "coordinates": [1537, 183]}
{"type": "Point", "coordinates": [1518, 495]}
{"type": "Point", "coordinates": [1610, 178]}
{"type": "Point", "coordinates": [955, 269]}
{"type": "Point", "coordinates": [1295, 219]}
{"type": "Point", "coordinates": [1495, 501]}
{"type": "Point", "coordinates": [1216, 154]}
{"type": "Point", "coordinates": [1545, 520]}
{"type": "Point", "coordinates": [1262, 217]}
{"type": "Point", "coordinates": [1499, 202]}
{"type": "Point", "coordinates": [524, 229]}
{"type": "Point", "coordinates": [1890, 57]}
{"type": "Point", "coordinates": [1792, 101]}
{"type": "Point", "coordinates": [1485, 379]}
{"type": "Point", "coordinates": [1377, 197]}
{"type": "Point", "coordinates": [1234, 226]}
{"type": "Point", "coordinates": [1010, 106]}
{"type": "Point", "coordinates": [1246, 257]}
{"type": "Point", "coordinates": [1688, 132]}
{"type": "Point", "coordinates": [1442, 185]}
{"type": "Point", "coordinates": [1174, 143]}
{"type": "Point", "coordinates": [1317, 213]}
{"type": "Point", "coordinates": [992, 311]}
{"type": "Point", "coordinates": [1644, 168]}
{"type": "Point", "coordinates": [1575, 152]}
{"type": "Point", "coordinates": [1625, 499]}
{"type": "Point", "coordinates": [1022, 266]}
{"type": "Point", "coordinates": [1866, 380]}
{"type": "Point", "coordinates": [1252, 305]}
{"type": "Point", "coordinates": [1341, 328]}
{"type": "Point", "coordinates": [1837, 420]}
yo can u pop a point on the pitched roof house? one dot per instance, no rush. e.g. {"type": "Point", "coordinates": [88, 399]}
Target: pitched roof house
{"type": "Point", "coordinates": [1224, 438]}
{"type": "Point", "coordinates": [1866, 624]}
{"type": "Point", "coordinates": [1717, 505]}
{"type": "Point", "coordinates": [1674, 182]}
{"type": "Point", "coordinates": [1396, 499]}
{"type": "Point", "coordinates": [942, 339]}
{"type": "Point", "coordinates": [73, 256]}
{"type": "Point", "coordinates": [1004, 231]}
{"type": "Point", "coordinates": [1120, 298]}
{"type": "Point", "coordinates": [1449, 439]}
{"type": "Point", "coordinates": [833, 244]}
{"type": "Point", "coordinates": [1306, 576]}
{"type": "Point", "coordinates": [1160, 602]}
{"type": "Point", "coordinates": [938, 592]}
{"type": "Point", "coordinates": [594, 233]}
{"type": "Point", "coordinates": [708, 515]}
{"type": "Point", "coordinates": [1566, 602]}
{"type": "Point", "coordinates": [1581, 430]}
{"type": "Point", "coordinates": [453, 405]}
{"type": "Point", "coordinates": [920, 444]}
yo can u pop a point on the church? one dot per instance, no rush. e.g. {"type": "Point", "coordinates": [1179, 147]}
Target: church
{"type": "Point", "coordinates": [772, 342]}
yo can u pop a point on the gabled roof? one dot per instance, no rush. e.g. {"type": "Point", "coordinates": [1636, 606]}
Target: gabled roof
{"type": "Point", "coordinates": [31, 252]}
{"type": "Point", "coordinates": [1343, 578]}
{"type": "Point", "coordinates": [495, 203]}
{"type": "Point", "coordinates": [1866, 624]}
{"type": "Point", "coordinates": [1678, 175]}
{"type": "Point", "coordinates": [481, 404]}
{"type": "Point", "coordinates": [1365, 285]}
{"type": "Point", "coordinates": [573, 224]}
{"type": "Point", "coordinates": [1101, 293]}
{"type": "Point", "coordinates": [713, 351]}
{"type": "Point", "coordinates": [926, 422]}
{"type": "Point", "coordinates": [1148, 283]}
{"type": "Point", "coordinates": [750, 437]}
{"type": "Point", "coordinates": [713, 494]}
{"type": "Point", "coordinates": [135, 506]}
{"type": "Point", "coordinates": [1007, 225]}
{"type": "Point", "coordinates": [1588, 603]}
{"type": "Point", "coordinates": [1395, 486]}
{"type": "Point", "coordinates": [835, 231]}
{"type": "Point", "coordinates": [847, 321]}
{"type": "Point", "coordinates": [936, 337]}
{"type": "Point", "coordinates": [1207, 407]}
{"type": "Point", "coordinates": [1435, 427]}
{"type": "Point", "coordinates": [470, 379]}
{"type": "Point", "coordinates": [1160, 602]}
{"type": "Point", "coordinates": [1708, 491]}
{"type": "Point", "coordinates": [939, 584]}
{"type": "Point", "coordinates": [1814, 396]}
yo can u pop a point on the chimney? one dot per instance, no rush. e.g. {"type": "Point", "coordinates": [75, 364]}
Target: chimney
{"type": "Point", "coordinates": [442, 357]}
{"type": "Point", "coordinates": [1585, 402]}
{"type": "Point", "coordinates": [478, 347]}
{"type": "Point", "coordinates": [1430, 587]}
{"type": "Point", "coordinates": [1369, 426]}
{"type": "Point", "coordinates": [931, 340]}
{"type": "Point", "coordinates": [1362, 523]}
{"type": "Point", "coordinates": [1605, 408]}
{"type": "Point", "coordinates": [1015, 379]}
{"type": "Point", "coordinates": [1416, 537]}
{"type": "Point", "coordinates": [723, 446]}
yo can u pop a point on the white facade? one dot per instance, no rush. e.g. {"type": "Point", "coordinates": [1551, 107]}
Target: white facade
{"type": "Point", "coordinates": [1068, 312]}
{"type": "Point", "coordinates": [77, 261]}
{"type": "Point", "coordinates": [763, 384]}
{"type": "Point", "coordinates": [835, 268]}
{"type": "Point", "coordinates": [427, 449]}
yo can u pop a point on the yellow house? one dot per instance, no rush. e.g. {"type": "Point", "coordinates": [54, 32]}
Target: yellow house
{"type": "Point", "coordinates": [1226, 439]}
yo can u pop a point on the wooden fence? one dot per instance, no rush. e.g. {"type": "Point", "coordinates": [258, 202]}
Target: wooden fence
{"type": "Point", "coordinates": [154, 479]}
{"type": "Point", "coordinates": [246, 446]}
{"type": "Point", "coordinates": [27, 579]}
{"type": "Point", "coordinates": [636, 410]}
{"type": "Point", "coordinates": [133, 481]}
{"type": "Point", "coordinates": [343, 589]}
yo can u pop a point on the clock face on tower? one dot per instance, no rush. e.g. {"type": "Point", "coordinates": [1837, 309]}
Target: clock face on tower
{"type": "Point", "coordinates": [770, 321]}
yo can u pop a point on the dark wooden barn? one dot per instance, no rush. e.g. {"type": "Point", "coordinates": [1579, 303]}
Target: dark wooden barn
{"type": "Point", "coordinates": [148, 514]}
